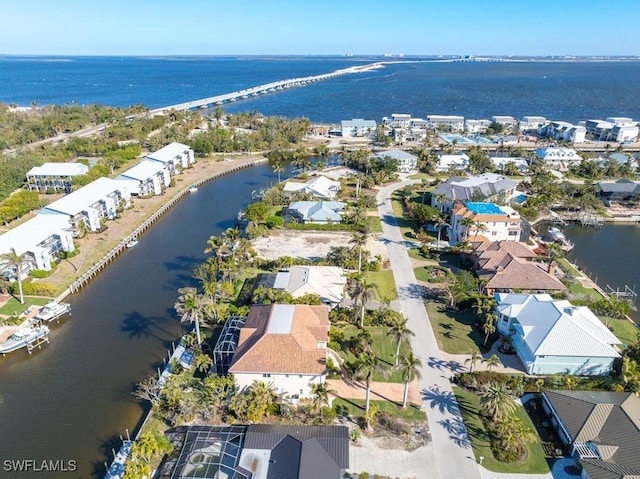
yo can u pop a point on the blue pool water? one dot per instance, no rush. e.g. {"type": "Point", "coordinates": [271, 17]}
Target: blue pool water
{"type": "Point", "coordinates": [520, 199]}
{"type": "Point", "coordinates": [484, 208]}
{"type": "Point", "coordinates": [465, 140]}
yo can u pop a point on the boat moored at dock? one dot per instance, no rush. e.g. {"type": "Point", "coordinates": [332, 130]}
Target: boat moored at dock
{"type": "Point", "coordinates": [26, 336]}
{"type": "Point", "coordinates": [52, 310]}
{"type": "Point", "coordinates": [555, 235]}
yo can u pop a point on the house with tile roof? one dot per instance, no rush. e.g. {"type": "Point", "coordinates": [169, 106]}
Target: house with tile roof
{"type": "Point", "coordinates": [555, 337]}
{"type": "Point", "coordinates": [282, 344]}
{"type": "Point", "coordinates": [316, 211]}
{"type": "Point", "coordinates": [485, 187]}
{"type": "Point", "coordinates": [320, 187]}
{"type": "Point", "coordinates": [601, 429]}
{"type": "Point", "coordinates": [505, 266]}
{"type": "Point", "coordinates": [475, 221]}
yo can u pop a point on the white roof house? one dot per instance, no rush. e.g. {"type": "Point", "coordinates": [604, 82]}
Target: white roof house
{"type": "Point", "coordinates": [99, 199]}
{"type": "Point", "coordinates": [501, 161]}
{"type": "Point", "coordinates": [317, 211]}
{"type": "Point", "coordinates": [54, 176]}
{"type": "Point", "coordinates": [532, 123]}
{"type": "Point", "coordinates": [328, 282]}
{"type": "Point", "coordinates": [503, 120]}
{"type": "Point", "coordinates": [555, 337]}
{"type": "Point", "coordinates": [175, 156]}
{"type": "Point", "coordinates": [358, 127]}
{"type": "Point", "coordinates": [558, 158]}
{"type": "Point", "coordinates": [476, 126]}
{"type": "Point", "coordinates": [454, 122]}
{"type": "Point", "coordinates": [320, 187]}
{"type": "Point", "coordinates": [42, 237]}
{"type": "Point", "coordinates": [457, 161]}
{"type": "Point", "coordinates": [406, 161]}
{"type": "Point", "coordinates": [149, 177]}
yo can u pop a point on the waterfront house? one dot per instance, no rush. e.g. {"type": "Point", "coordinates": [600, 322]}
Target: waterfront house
{"type": "Point", "coordinates": [397, 120]}
{"type": "Point", "coordinates": [506, 121]}
{"type": "Point", "coordinates": [619, 190]}
{"type": "Point", "coordinates": [601, 429]}
{"type": "Point", "coordinates": [328, 282]}
{"type": "Point", "coordinates": [485, 187]}
{"type": "Point", "coordinates": [284, 345]}
{"type": "Point", "coordinates": [473, 221]}
{"type": "Point", "coordinates": [357, 128]}
{"type": "Point", "coordinates": [54, 177]}
{"type": "Point", "coordinates": [320, 187]}
{"type": "Point", "coordinates": [505, 266]}
{"type": "Point", "coordinates": [555, 337]}
{"type": "Point", "coordinates": [532, 123]}
{"type": "Point", "coordinates": [558, 158]}
{"type": "Point", "coordinates": [476, 126]}
{"type": "Point", "coordinates": [263, 451]}
{"type": "Point", "coordinates": [452, 123]}
{"type": "Point", "coordinates": [561, 130]}
{"type": "Point", "coordinates": [316, 211]}
{"type": "Point", "coordinates": [42, 238]}
{"type": "Point", "coordinates": [149, 177]}
{"type": "Point", "coordinates": [87, 207]}
{"type": "Point", "coordinates": [406, 161]}
{"type": "Point", "coordinates": [618, 129]}
{"type": "Point", "coordinates": [456, 161]}
{"type": "Point", "coordinates": [175, 157]}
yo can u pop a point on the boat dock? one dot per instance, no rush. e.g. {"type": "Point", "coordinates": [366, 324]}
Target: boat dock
{"type": "Point", "coordinates": [117, 468]}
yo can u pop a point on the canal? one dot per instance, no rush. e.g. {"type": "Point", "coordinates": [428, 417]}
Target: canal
{"type": "Point", "coordinates": [71, 400]}
{"type": "Point", "coordinates": [610, 255]}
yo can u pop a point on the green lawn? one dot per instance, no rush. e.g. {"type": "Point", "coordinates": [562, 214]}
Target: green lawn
{"type": "Point", "coordinates": [355, 407]}
{"type": "Point", "coordinates": [385, 284]}
{"type": "Point", "coordinates": [13, 306]}
{"type": "Point", "coordinates": [454, 330]}
{"type": "Point", "coordinates": [625, 330]}
{"type": "Point", "coordinates": [421, 176]}
{"type": "Point", "coordinates": [535, 463]}
{"type": "Point", "coordinates": [374, 223]}
{"type": "Point", "coordinates": [382, 347]}
{"type": "Point", "coordinates": [406, 226]}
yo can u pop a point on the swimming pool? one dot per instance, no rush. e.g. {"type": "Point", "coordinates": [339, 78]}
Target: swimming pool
{"type": "Point", "coordinates": [484, 208]}
{"type": "Point", "coordinates": [520, 199]}
{"type": "Point", "coordinates": [465, 140]}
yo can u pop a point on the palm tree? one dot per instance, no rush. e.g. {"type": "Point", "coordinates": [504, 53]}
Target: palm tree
{"type": "Point", "coordinates": [203, 362]}
{"type": "Point", "coordinates": [439, 223]}
{"type": "Point", "coordinates": [278, 167]}
{"type": "Point", "coordinates": [365, 366]}
{"type": "Point", "coordinates": [15, 260]}
{"type": "Point", "coordinates": [497, 401]}
{"type": "Point", "coordinates": [399, 332]}
{"type": "Point", "coordinates": [364, 341]}
{"type": "Point", "coordinates": [492, 361]}
{"type": "Point", "coordinates": [362, 292]}
{"type": "Point", "coordinates": [479, 227]}
{"type": "Point", "coordinates": [468, 223]}
{"type": "Point", "coordinates": [191, 307]}
{"type": "Point", "coordinates": [409, 369]}
{"type": "Point", "coordinates": [489, 327]}
{"type": "Point", "coordinates": [358, 240]}
{"type": "Point", "coordinates": [320, 393]}
{"type": "Point", "coordinates": [472, 360]}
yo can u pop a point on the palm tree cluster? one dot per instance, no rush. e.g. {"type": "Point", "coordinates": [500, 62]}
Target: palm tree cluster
{"type": "Point", "coordinates": [509, 435]}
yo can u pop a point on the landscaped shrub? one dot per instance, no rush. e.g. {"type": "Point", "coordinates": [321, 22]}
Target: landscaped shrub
{"type": "Point", "coordinates": [40, 273]}
{"type": "Point", "coordinates": [34, 289]}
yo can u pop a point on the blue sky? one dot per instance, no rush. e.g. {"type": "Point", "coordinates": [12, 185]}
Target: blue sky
{"type": "Point", "coordinates": [224, 27]}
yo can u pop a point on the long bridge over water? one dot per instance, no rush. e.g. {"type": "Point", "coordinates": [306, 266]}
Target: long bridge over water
{"type": "Point", "coordinates": [265, 89]}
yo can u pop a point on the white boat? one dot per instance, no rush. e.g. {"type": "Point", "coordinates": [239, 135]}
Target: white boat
{"type": "Point", "coordinates": [193, 189]}
{"type": "Point", "coordinates": [555, 235]}
{"type": "Point", "coordinates": [24, 337]}
{"type": "Point", "coordinates": [52, 310]}
{"type": "Point", "coordinates": [132, 243]}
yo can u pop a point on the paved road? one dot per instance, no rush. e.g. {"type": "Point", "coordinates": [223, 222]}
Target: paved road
{"type": "Point", "coordinates": [452, 449]}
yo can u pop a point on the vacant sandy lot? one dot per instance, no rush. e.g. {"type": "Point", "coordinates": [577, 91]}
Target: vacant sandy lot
{"type": "Point", "coordinates": [311, 244]}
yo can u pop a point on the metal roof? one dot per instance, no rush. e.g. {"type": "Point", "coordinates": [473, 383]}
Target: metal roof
{"type": "Point", "coordinates": [29, 234]}
{"type": "Point", "coordinates": [79, 200]}
{"type": "Point", "coordinates": [58, 169]}
{"type": "Point", "coordinates": [143, 170]}
{"type": "Point", "coordinates": [169, 152]}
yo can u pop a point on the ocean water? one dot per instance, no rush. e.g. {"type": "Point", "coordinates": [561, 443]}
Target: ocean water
{"type": "Point", "coordinates": [570, 91]}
